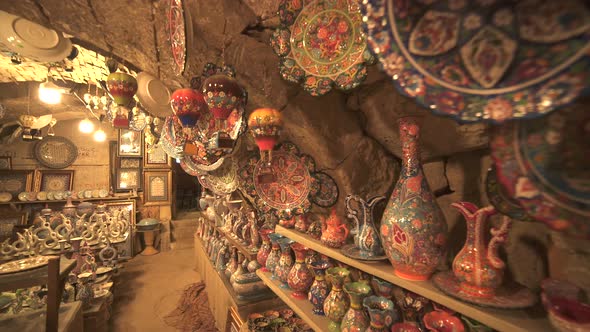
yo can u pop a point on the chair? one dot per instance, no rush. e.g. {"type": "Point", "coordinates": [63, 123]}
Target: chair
{"type": "Point", "coordinates": [53, 275]}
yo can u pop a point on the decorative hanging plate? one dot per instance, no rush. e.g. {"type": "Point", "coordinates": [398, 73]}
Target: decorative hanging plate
{"type": "Point", "coordinates": [543, 164]}
{"type": "Point", "coordinates": [55, 152]}
{"type": "Point", "coordinates": [484, 60]}
{"type": "Point", "coordinates": [24, 264]}
{"type": "Point", "coordinates": [177, 33]}
{"type": "Point", "coordinates": [321, 44]}
{"type": "Point", "coordinates": [327, 194]}
{"type": "Point", "coordinates": [172, 140]}
{"type": "Point", "coordinates": [153, 95]}
{"type": "Point", "coordinates": [224, 180]}
{"type": "Point", "coordinates": [503, 202]}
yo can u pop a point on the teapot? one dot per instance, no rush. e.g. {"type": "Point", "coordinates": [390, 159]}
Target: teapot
{"type": "Point", "coordinates": [334, 231]}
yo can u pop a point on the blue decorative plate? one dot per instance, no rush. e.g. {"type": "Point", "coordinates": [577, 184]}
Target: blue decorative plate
{"type": "Point", "coordinates": [483, 60]}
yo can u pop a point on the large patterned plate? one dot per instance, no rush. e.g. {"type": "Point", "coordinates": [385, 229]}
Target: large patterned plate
{"type": "Point", "coordinates": [327, 193]}
{"type": "Point", "coordinates": [483, 60]}
{"type": "Point", "coordinates": [321, 44]}
{"type": "Point", "coordinates": [56, 152]}
{"type": "Point", "coordinates": [224, 180]}
{"type": "Point", "coordinates": [178, 34]}
{"type": "Point", "coordinates": [544, 165]}
{"type": "Point", "coordinates": [503, 202]}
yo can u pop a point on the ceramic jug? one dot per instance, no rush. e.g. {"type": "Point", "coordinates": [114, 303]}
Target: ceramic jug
{"type": "Point", "coordinates": [379, 309]}
{"type": "Point", "coordinates": [300, 277]}
{"type": "Point", "coordinates": [356, 319]}
{"type": "Point", "coordinates": [232, 266]}
{"type": "Point", "coordinates": [334, 231]}
{"type": "Point", "coordinates": [366, 234]}
{"type": "Point", "coordinates": [413, 228]}
{"type": "Point", "coordinates": [477, 266]}
{"type": "Point", "coordinates": [301, 223]}
{"type": "Point", "coordinates": [320, 288]}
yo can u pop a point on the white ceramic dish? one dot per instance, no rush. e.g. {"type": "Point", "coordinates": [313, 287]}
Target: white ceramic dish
{"type": "Point", "coordinates": [5, 196]}
{"type": "Point", "coordinates": [32, 40]}
{"type": "Point", "coordinates": [22, 196]}
{"type": "Point", "coordinates": [153, 95]}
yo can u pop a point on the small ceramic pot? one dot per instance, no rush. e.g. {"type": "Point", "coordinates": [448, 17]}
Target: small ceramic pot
{"type": "Point", "coordinates": [301, 223]}
{"type": "Point", "coordinates": [566, 312]}
{"type": "Point", "coordinates": [337, 303]}
{"type": "Point", "coordinates": [356, 319]}
{"type": "Point", "coordinates": [379, 309]}
{"type": "Point", "coordinates": [320, 288]}
{"type": "Point", "coordinates": [440, 321]}
{"type": "Point", "coordinates": [300, 277]}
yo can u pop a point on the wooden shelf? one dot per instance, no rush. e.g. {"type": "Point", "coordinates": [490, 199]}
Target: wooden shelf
{"type": "Point", "coordinates": [241, 248]}
{"type": "Point", "coordinates": [115, 198]}
{"type": "Point", "coordinates": [303, 308]}
{"type": "Point", "coordinates": [533, 319]}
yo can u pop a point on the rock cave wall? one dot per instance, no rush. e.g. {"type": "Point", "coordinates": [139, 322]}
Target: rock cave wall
{"type": "Point", "coordinates": [352, 136]}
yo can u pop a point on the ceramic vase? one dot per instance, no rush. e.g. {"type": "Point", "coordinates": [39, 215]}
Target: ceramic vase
{"type": "Point", "coordinates": [366, 234]}
{"type": "Point", "coordinates": [334, 231]}
{"type": "Point", "coordinates": [413, 229]}
{"type": "Point", "coordinates": [300, 277]}
{"type": "Point", "coordinates": [285, 262]}
{"type": "Point", "coordinates": [337, 302]}
{"type": "Point", "coordinates": [319, 289]}
{"type": "Point", "coordinates": [477, 266]}
{"type": "Point", "coordinates": [356, 319]}
{"type": "Point", "coordinates": [314, 229]}
{"type": "Point", "coordinates": [385, 289]}
{"type": "Point", "coordinates": [265, 248]}
{"type": "Point", "coordinates": [233, 263]}
{"type": "Point", "coordinates": [242, 268]}
{"type": "Point", "coordinates": [255, 237]}
{"type": "Point", "coordinates": [301, 223]}
{"type": "Point", "coordinates": [379, 309]}
{"type": "Point", "coordinates": [85, 292]}
{"type": "Point", "coordinates": [275, 254]}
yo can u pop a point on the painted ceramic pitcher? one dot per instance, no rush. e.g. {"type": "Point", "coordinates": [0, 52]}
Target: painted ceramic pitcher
{"type": "Point", "coordinates": [413, 228]}
{"type": "Point", "coordinates": [334, 231]}
{"type": "Point", "coordinates": [477, 266]}
{"type": "Point", "coordinates": [366, 235]}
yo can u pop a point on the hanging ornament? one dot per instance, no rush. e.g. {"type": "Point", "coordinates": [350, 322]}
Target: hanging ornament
{"type": "Point", "coordinates": [122, 87]}
{"type": "Point", "coordinates": [223, 95]}
{"type": "Point", "coordinates": [188, 105]}
{"type": "Point", "coordinates": [265, 125]}
{"type": "Point", "coordinates": [121, 119]}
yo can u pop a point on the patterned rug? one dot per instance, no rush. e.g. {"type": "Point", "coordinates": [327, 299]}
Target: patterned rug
{"type": "Point", "coordinates": [192, 313]}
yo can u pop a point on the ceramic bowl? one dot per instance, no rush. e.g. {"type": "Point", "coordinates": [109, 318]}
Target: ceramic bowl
{"type": "Point", "coordinates": [95, 193]}
{"type": "Point", "coordinates": [32, 40]}
{"type": "Point", "coordinates": [5, 196]}
{"type": "Point", "coordinates": [441, 321]}
{"type": "Point", "coordinates": [147, 224]}
{"type": "Point", "coordinates": [22, 196]}
{"type": "Point", "coordinates": [405, 327]}
{"type": "Point", "coordinates": [88, 194]}
{"type": "Point", "coordinates": [566, 313]}
{"type": "Point", "coordinates": [42, 196]}
{"type": "Point", "coordinates": [153, 95]}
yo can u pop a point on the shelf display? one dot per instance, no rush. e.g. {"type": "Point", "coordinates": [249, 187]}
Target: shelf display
{"type": "Point", "coordinates": [321, 45]}
{"type": "Point", "coordinates": [541, 164]}
{"type": "Point", "coordinates": [413, 227]}
{"type": "Point", "coordinates": [479, 62]}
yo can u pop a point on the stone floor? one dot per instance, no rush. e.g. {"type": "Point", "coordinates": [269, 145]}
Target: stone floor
{"type": "Point", "coordinates": [149, 288]}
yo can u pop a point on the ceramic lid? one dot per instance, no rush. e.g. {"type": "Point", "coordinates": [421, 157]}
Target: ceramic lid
{"type": "Point", "coordinates": [153, 95]}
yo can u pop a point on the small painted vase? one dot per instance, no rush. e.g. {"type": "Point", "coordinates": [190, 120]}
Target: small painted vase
{"type": "Point", "coordinates": [312, 256]}
{"type": "Point", "coordinates": [379, 309]}
{"type": "Point", "coordinates": [315, 226]}
{"type": "Point", "coordinates": [477, 266]}
{"type": "Point", "coordinates": [319, 289]}
{"type": "Point", "coordinates": [385, 289]}
{"type": "Point", "coordinates": [301, 223]}
{"type": "Point", "coordinates": [413, 228]}
{"type": "Point", "coordinates": [334, 231]}
{"type": "Point", "coordinates": [337, 302]}
{"type": "Point", "coordinates": [265, 248]}
{"type": "Point", "coordinates": [356, 319]}
{"type": "Point", "coordinates": [272, 261]}
{"type": "Point", "coordinates": [285, 262]}
{"type": "Point", "coordinates": [232, 266]}
{"type": "Point", "coordinates": [300, 277]}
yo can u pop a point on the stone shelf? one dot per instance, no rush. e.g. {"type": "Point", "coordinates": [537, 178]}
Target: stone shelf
{"type": "Point", "coordinates": [533, 319]}
{"type": "Point", "coordinates": [303, 308]}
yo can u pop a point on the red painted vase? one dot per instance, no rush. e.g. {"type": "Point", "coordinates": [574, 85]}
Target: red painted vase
{"type": "Point", "coordinates": [265, 248]}
{"type": "Point", "coordinates": [188, 105]}
{"type": "Point", "coordinates": [477, 266]}
{"type": "Point", "coordinates": [413, 228]}
{"type": "Point", "coordinates": [122, 87]}
{"type": "Point", "coordinates": [300, 277]}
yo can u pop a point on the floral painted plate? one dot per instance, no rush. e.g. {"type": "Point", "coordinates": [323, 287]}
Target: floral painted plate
{"type": "Point", "coordinates": [327, 193]}
{"type": "Point", "coordinates": [484, 60]}
{"type": "Point", "coordinates": [321, 44]}
{"type": "Point", "coordinates": [543, 164]}
{"type": "Point", "coordinates": [24, 264]}
{"type": "Point", "coordinates": [503, 202]}
{"type": "Point", "coordinates": [177, 32]}
{"type": "Point", "coordinates": [222, 181]}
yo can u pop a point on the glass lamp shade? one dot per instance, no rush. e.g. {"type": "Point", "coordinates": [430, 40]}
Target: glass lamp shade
{"type": "Point", "coordinates": [86, 126]}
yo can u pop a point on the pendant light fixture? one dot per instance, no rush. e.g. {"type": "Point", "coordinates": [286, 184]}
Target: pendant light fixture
{"type": "Point", "coordinates": [86, 126]}
{"type": "Point", "coordinates": [100, 135]}
{"type": "Point", "coordinates": [49, 92]}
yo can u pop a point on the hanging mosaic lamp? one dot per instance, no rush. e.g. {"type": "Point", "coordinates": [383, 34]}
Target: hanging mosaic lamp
{"type": "Point", "coordinates": [121, 119]}
{"type": "Point", "coordinates": [122, 87]}
{"type": "Point", "coordinates": [188, 105]}
{"type": "Point", "coordinates": [484, 60]}
{"type": "Point", "coordinates": [265, 125]}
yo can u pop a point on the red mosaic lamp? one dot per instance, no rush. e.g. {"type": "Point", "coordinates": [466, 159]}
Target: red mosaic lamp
{"type": "Point", "coordinates": [265, 125]}
{"type": "Point", "coordinates": [188, 105]}
{"type": "Point", "coordinates": [122, 87]}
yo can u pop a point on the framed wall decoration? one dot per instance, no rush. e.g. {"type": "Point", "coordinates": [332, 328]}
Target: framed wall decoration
{"type": "Point", "coordinates": [155, 157]}
{"type": "Point", "coordinates": [5, 163]}
{"type": "Point", "coordinates": [55, 152]}
{"type": "Point", "coordinates": [130, 143]}
{"type": "Point", "coordinates": [157, 187]}
{"type": "Point", "coordinates": [128, 178]}
{"type": "Point", "coordinates": [128, 162]}
{"type": "Point", "coordinates": [51, 180]}
{"type": "Point", "coordinates": [16, 182]}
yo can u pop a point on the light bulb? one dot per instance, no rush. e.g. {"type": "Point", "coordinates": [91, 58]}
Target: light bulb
{"type": "Point", "coordinates": [86, 126]}
{"type": "Point", "coordinates": [100, 135]}
{"type": "Point", "coordinates": [49, 93]}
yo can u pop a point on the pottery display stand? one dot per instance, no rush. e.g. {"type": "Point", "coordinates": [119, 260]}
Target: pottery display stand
{"type": "Point", "coordinates": [148, 237]}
